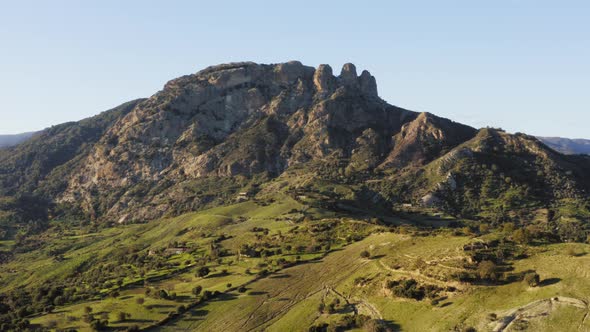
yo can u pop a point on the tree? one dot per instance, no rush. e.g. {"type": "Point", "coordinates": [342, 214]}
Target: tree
{"type": "Point", "coordinates": [122, 316]}
{"type": "Point", "coordinates": [87, 310]}
{"type": "Point", "coordinates": [532, 279]}
{"type": "Point", "coordinates": [203, 271]}
{"type": "Point", "coordinates": [197, 290]}
{"type": "Point", "coordinates": [487, 270]}
{"type": "Point", "coordinates": [365, 254]}
{"type": "Point", "coordinates": [98, 325]}
{"type": "Point", "coordinates": [59, 300]}
{"type": "Point", "coordinates": [207, 295]}
{"type": "Point", "coordinates": [521, 236]}
{"type": "Point", "coordinates": [140, 300]}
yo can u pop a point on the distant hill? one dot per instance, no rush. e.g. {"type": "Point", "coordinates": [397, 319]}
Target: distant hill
{"type": "Point", "coordinates": [11, 140]}
{"type": "Point", "coordinates": [567, 145]}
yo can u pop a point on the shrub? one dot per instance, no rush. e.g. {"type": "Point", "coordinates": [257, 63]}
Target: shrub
{"type": "Point", "coordinates": [203, 271]}
{"type": "Point", "coordinates": [197, 290]}
{"type": "Point", "coordinates": [207, 295]}
{"type": "Point", "coordinates": [532, 279]}
{"type": "Point", "coordinates": [373, 325]}
{"type": "Point", "coordinates": [487, 270]}
{"type": "Point", "coordinates": [121, 316]}
{"type": "Point", "coordinates": [407, 288]}
{"type": "Point", "coordinates": [365, 254]}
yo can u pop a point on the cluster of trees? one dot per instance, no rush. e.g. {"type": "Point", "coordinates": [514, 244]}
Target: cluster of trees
{"type": "Point", "coordinates": [409, 288]}
{"type": "Point", "coordinates": [348, 322]}
{"type": "Point", "coordinates": [20, 303]}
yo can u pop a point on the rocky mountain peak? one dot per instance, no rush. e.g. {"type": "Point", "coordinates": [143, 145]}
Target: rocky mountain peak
{"type": "Point", "coordinates": [323, 79]}
{"type": "Point", "coordinates": [368, 84]}
{"type": "Point", "coordinates": [348, 74]}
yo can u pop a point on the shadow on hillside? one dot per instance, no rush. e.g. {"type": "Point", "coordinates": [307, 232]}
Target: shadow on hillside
{"type": "Point", "coordinates": [225, 297]}
{"type": "Point", "coordinates": [131, 320]}
{"type": "Point", "coordinates": [393, 326]}
{"type": "Point", "coordinates": [549, 281]}
{"type": "Point", "coordinates": [446, 304]}
{"type": "Point", "coordinates": [217, 275]}
{"type": "Point", "coordinates": [160, 306]}
{"type": "Point", "coordinates": [184, 298]}
{"type": "Point", "coordinates": [257, 293]}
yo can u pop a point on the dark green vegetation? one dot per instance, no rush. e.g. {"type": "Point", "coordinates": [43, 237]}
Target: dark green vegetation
{"type": "Point", "coordinates": [281, 197]}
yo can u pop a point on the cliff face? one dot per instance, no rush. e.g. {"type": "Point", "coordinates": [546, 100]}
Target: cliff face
{"type": "Point", "coordinates": [235, 119]}
{"type": "Point", "coordinates": [206, 135]}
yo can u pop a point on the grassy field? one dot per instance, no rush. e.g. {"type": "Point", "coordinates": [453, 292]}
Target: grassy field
{"type": "Point", "coordinates": [289, 300]}
{"type": "Point", "coordinates": [278, 224]}
{"type": "Point", "coordinates": [313, 259]}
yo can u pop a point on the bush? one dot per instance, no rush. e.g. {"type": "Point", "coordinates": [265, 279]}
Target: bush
{"type": "Point", "coordinates": [203, 271]}
{"type": "Point", "coordinates": [122, 316]}
{"type": "Point", "coordinates": [207, 295]}
{"type": "Point", "coordinates": [487, 270]}
{"type": "Point", "coordinates": [532, 279]}
{"type": "Point", "coordinates": [197, 290]}
{"type": "Point", "coordinates": [365, 254]}
{"type": "Point", "coordinates": [373, 325]}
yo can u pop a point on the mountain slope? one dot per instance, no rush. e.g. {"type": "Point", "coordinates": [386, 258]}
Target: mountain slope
{"type": "Point", "coordinates": [566, 145]}
{"type": "Point", "coordinates": [230, 128]}
{"type": "Point", "coordinates": [35, 164]}
{"type": "Point", "coordinates": [11, 140]}
{"type": "Point", "coordinates": [232, 120]}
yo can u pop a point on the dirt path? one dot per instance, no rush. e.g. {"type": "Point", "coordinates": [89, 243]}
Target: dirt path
{"type": "Point", "coordinates": [370, 309]}
{"type": "Point", "coordinates": [536, 309]}
{"type": "Point", "coordinates": [271, 298]}
{"type": "Point", "coordinates": [417, 275]}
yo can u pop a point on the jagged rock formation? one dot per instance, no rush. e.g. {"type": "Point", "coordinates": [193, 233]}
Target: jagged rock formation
{"type": "Point", "coordinates": [244, 121]}
{"type": "Point", "coordinates": [235, 119]}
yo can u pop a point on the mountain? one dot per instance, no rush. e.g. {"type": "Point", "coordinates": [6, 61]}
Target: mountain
{"type": "Point", "coordinates": [282, 197]}
{"type": "Point", "coordinates": [207, 136]}
{"type": "Point", "coordinates": [11, 140]}
{"type": "Point", "coordinates": [567, 145]}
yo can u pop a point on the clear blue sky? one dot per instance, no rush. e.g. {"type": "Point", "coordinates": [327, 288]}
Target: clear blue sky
{"type": "Point", "coordinates": [521, 65]}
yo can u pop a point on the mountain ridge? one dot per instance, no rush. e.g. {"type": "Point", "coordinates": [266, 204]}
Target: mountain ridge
{"type": "Point", "coordinates": [243, 124]}
{"type": "Point", "coordinates": [567, 145]}
{"type": "Point", "coordinates": [14, 139]}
